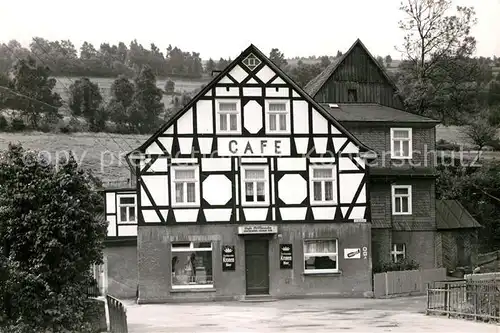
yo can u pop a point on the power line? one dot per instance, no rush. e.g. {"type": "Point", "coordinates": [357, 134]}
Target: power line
{"type": "Point", "coordinates": [97, 140]}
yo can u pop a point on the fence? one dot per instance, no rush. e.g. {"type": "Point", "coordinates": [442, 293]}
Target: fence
{"type": "Point", "coordinates": [399, 283]}
{"type": "Point", "coordinates": [476, 299]}
{"type": "Point", "coordinates": [117, 315]}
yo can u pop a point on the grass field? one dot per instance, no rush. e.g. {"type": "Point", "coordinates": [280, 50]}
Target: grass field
{"type": "Point", "coordinates": [103, 152]}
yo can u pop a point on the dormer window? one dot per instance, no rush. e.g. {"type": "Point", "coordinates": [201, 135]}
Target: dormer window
{"type": "Point", "coordinates": [278, 117]}
{"type": "Point", "coordinates": [228, 116]}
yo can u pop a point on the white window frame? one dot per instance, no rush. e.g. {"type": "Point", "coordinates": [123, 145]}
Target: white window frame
{"type": "Point", "coordinates": [321, 271]}
{"type": "Point", "coordinates": [313, 167]}
{"type": "Point", "coordinates": [394, 198]}
{"type": "Point", "coordinates": [118, 210]}
{"type": "Point", "coordinates": [395, 252]}
{"type": "Point", "coordinates": [227, 113]}
{"type": "Point", "coordinates": [191, 248]}
{"type": "Point", "coordinates": [173, 181]}
{"type": "Point", "coordinates": [243, 187]}
{"type": "Point", "coordinates": [400, 140]}
{"type": "Point", "coordinates": [286, 113]}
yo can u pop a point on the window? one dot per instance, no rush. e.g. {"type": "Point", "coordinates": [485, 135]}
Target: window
{"type": "Point", "coordinates": [401, 143]}
{"type": "Point", "coordinates": [320, 256]}
{"type": "Point", "coordinates": [322, 181]}
{"type": "Point", "coordinates": [127, 209]}
{"type": "Point", "coordinates": [256, 185]}
{"type": "Point", "coordinates": [192, 265]}
{"type": "Point", "coordinates": [398, 252]}
{"type": "Point", "coordinates": [352, 95]}
{"type": "Point", "coordinates": [185, 186]}
{"type": "Point", "coordinates": [401, 199]}
{"type": "Point", "coordinates": [278, 119]}
{"type": "Point", "coordinates": [228, 117]}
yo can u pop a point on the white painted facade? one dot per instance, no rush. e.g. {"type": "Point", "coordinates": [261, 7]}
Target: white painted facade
{"type": "Point", "coordinates": [252, 147]}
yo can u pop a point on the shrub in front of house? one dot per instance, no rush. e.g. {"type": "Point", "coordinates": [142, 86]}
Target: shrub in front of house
{"type": "Point", "coordinates": [402, 265]}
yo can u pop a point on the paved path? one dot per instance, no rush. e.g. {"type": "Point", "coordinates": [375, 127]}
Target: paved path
{"type": "Point", "coordinates": [316, 315]}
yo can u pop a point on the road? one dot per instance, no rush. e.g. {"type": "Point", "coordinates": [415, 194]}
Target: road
{"type": "Point", "coordinates": [316, 315]}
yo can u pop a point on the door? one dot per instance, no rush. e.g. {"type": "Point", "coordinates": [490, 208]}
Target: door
{"type": "Point", "coordinates": [257, 266]}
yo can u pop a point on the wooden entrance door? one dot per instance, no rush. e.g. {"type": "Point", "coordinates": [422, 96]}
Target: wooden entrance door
{"type": "Point", "coordinates": [257, 266]}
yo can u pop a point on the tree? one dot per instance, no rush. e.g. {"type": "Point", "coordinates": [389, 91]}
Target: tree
{"type": "Point", "coordinates": [436, 49]}
{"type": "Point", "coordinates": [169, 87]}
{"type": "Point", "coordinates": [278, 58]}
{"type": "Point", "coordinates": [325, 61]}
{"type": "Point", "coordinates": [122, 92]}
{"type": "Point", "coordinates": [222, 64]}
{"type": "Point", "coordinates": [339, 54]}
{"type": "Point", "coordinates": [388, 60]}
{"type": "Point", "coordinates": [34, 82]}
{"type": "Point", "coordinates": [51, 236]}
{"type": "Point", "coordinates": [210, 66]}
{"type": "Point", "coordinates": [480, 131]}
{"type": "Point", "coordinates": [147, 105]}
{"type": "Point", "coordinates": [380, 61]}
{"type": "Point", "coordinates": [85, 100]}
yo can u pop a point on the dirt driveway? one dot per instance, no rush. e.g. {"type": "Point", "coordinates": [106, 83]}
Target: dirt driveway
{"type": "Point", "coordinates": [313, 315]}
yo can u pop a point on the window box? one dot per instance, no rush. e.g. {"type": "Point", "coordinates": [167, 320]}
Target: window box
{"type": "Point", "coordinates": [192, 266]}
{"type": "Point", "coordinates": [321, 256]}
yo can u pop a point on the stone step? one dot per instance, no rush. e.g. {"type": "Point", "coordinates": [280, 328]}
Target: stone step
{"type": "Point", "coordinates": [258, 298]}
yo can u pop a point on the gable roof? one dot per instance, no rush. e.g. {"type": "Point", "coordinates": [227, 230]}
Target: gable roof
{"type": "Point", "coordinates": [373, 112]}
{"type": "Point", "coordinates": [313, 87]}
{"type": "Point", "coordinates": [450, 214]}
{"type": "Point", "coordinates": [251, 49]}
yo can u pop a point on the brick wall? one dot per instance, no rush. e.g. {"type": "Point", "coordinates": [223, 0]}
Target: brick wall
{"type": "Point", "coordinates": [378, 138]}
{"type": "Point", "coordinates": [121, 270]}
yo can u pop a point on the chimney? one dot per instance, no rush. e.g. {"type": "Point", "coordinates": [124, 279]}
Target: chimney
{"type": "Point", "coordinates": [215, 73]}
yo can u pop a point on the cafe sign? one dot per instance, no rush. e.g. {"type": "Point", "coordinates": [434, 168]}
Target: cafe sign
{"type": "Point", "coordinates": [286, 256]}
{"type": "Point", "coordinates": [253, 146]}
{"type": "Point", "coordinates": [228, 258]}
{"type": "Point", "coordinates": [257, 229]}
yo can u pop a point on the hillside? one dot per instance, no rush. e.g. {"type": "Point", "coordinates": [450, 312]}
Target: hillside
{"type": "Point", "coordinates": [90, 149]}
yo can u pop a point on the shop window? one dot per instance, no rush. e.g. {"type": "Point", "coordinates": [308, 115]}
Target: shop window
{"type": "Point", "coordinates": [320, 256]}
{"type": "Point", "coordinates": [192, 265]}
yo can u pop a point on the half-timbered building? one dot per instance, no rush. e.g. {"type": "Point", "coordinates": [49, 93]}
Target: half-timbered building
{"type": "Point", "coordinates": [252, 189]}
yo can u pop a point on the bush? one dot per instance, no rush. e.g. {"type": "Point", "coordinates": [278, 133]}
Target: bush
{"type": "Point", "coordinates": [4, 124]}
{"type": "Point", "coordinates": [403, 265]}
{"type": "Point", "coordinates": [18, 125]}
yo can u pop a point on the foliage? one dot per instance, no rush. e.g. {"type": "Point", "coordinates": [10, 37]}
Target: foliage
{"type": "Point", "coordinates": [4, 124]}
{"type": "Point", "coordinates": [388, 60]}
{"type": "Point", "coordinates": [17, 124]}
{"type": "Point", "coordinates": [86, 100]}
{"type": "Point", "coordinates": [401, 265]}
{"type": "Point", "coordinates": [147, 105]}
{"type": "Point", "coordinates": [33, 81]}
{"type": "Point", "coordinates": [478, 190]}
{"type": "Point", "coordinates": [303, 73]}
{"type": "Point", "coordinates": [480, 131]}
{"type": "Point", "coordinates": [210, 66]}
{"type": "Point", "coordinates": [51, 236]}
{"type": "Point", "coordinates": [438, 78]}
{"type": "Point", "coordinates": [278, 58]}
{"type": "Point", "coordinates": [442, 144]}
{"type": "Point", "coordinates": [169, 87]}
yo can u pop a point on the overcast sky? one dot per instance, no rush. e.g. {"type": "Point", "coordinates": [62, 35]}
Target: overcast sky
{"type": "Point", "coordinates": [223, 28]}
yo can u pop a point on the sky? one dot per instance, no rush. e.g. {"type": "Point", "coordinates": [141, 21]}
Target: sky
{"type": "Point", "coordinates": [224, 28]}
